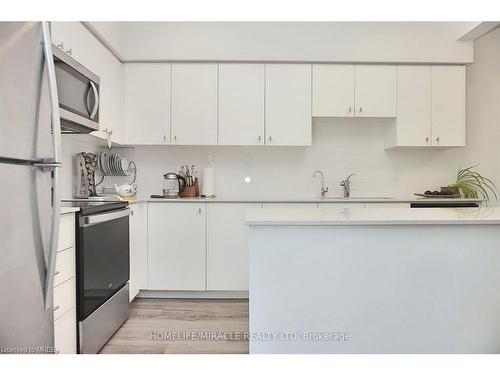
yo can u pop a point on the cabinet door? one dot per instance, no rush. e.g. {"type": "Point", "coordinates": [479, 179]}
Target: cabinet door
{"type": "Point", "coordinates": [414, 105]}
{"type": "Point", "coordinates": [194, 104]}
{"type": "Point", "coordinates": [147, 103]}
{"type": "Point", "coordinates": [138, 249]}
{"type": "Point", "coordinates": [288, 104]}
{"type": "Point", "coordinates": [375, 90]}
{"type": "Point", "coordinates": [176, 246]}
{"type": "Point", "coordinates": [448, 106]}
{"type": "Point", "coordinates": [111, 91]}
{"type": "Point", "coordinates": [65, 333]}
{"type": "Point", "coordinates": [241, 104]}
{"type": "Point", "coordinates": [227, 246]}
{"type": "Point", "coordinates": [333, 90]}
{"type": "Point", "coordinates": [73, 37]}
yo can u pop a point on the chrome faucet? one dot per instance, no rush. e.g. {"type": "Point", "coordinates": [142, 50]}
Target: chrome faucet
{"type": "Point", "coordinates": [346, 184]}
{"type": "Point", "coordinates": [324, 189]}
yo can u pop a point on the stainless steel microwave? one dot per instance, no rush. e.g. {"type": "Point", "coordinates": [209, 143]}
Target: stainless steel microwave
{"type": "Point", "coordinates": [78, 90]}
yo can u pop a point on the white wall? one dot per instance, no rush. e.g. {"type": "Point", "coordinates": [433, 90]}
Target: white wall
{"type": "Point", "coordinates": [340, 147]}
{"type": "Point", "coordinates": [290, 41]}
{"type": "Point", "coordinates": [343, 146]}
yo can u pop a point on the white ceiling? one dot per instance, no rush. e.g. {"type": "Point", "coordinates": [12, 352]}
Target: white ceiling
{"type": "Point", "coordinates": [419, 42]}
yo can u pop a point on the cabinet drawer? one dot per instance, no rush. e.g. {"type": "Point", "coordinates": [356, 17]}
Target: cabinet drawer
{"type": "Point", "coordinates": [66, 232]}
{"type": "Point", "coordinates": [64, 298]}
{"type": "Point", "coordinates": [65, 333]}
{"type": "Point", "coordinates": [65, 266]}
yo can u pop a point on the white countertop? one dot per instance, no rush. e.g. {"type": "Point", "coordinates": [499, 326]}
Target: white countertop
{"type": "Point", "coordinates": [268, 199]}
{"type": "Point", "coordinates": [69, 210]}
{"type": "Point", "coordinates": [372, 216]}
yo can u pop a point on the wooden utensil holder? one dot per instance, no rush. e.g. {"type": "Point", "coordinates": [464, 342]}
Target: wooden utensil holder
{"type": "Point", "coordinates": [192, 191]}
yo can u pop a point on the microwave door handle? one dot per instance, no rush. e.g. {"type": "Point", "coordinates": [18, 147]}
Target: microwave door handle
{"type": "Point", "coordinates": [56, 140]}
{"type": "Point", "coordinates": [96, 100]}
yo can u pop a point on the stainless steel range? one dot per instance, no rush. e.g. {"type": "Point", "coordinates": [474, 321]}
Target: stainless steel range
{"type": "Point", "coordinates": [102, 270]}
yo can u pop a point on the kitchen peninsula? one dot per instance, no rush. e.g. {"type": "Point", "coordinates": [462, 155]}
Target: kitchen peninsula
{"type": "Point", "coordinates": [391, 280]}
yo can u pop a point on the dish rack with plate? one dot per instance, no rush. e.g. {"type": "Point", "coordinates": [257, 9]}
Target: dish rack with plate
{"type": "Point", "coordinates": [113, 164]}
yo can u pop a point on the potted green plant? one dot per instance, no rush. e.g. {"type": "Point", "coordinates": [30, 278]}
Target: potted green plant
{"type": "Point", "coordinates": [470, 184]}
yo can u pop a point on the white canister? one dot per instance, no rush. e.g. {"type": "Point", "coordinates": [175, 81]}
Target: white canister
{"type": "Point", "coordinates": [208, 183]}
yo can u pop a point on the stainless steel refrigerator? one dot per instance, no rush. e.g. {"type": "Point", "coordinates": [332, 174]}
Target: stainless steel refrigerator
{"type": "Point", "coordinates": [30, 138]}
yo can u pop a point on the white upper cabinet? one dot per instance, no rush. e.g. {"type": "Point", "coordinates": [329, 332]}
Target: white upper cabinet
{"type": "Point", "coordinates": [79, 42]}
{"type": "Point", "coordinates": [241, 104]}
{"type": "Point", "coordinates": [414, 106]}
{"type": "Point", "coordinates": [288, 104]}
{"type": "Point", "coordinates": [194, 104]}
{"type": "Point", "coordinates": [375, 90]}
{"type": "Point", "coordinates": [147, 104]}
{"type": "Point", "coordinates": [448, 106]}
{"type": "Point", "coordinates": [333, 90]}
{"type": "Point", "coordinates": [431, 107]}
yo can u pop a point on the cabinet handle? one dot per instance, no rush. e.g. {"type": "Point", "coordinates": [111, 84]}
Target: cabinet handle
{"type": "Point", "coordinates": [260, 138]}
{"type": "Point", "coordinates": [427, 139]}
{"type": "Point", "coordinates": [350, 109]}
{"type": "Point", "coordinates": [199, 210]}
{"type": "Point", "coordinates": [437, 139]}
{"type": "Point", "coordinates": [61, 46]}
{"type": "Point", "coordinates": [55, 308]}
{"type": "Point", "coordinates": [361, 109]}
{"type": "Point", "coordinates": [70, 52]}
{"type": "Point", "coordinates": [175, 137]}
{"type": "Point", "coordinates": [270, 138]}
{"type": "Point", "coordinates": [165, 138]}
{"type": "Point", "coordinates": [56, 273]}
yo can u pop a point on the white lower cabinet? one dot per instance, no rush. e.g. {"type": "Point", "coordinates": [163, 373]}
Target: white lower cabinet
{"type": "Point", "coordinates": [138, 248]}
{"type": "Point", "coordinates": [65, 288]}
{"type": "Point", "coordinates": [65, 333]}
{"type": "Point", "coordinates": [176, 246]}
{"type": "Point", "coordinates": [227, 246]}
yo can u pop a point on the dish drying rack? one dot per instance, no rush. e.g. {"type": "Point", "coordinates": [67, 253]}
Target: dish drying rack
{"type": "Point", "coordinates": [105, 168]}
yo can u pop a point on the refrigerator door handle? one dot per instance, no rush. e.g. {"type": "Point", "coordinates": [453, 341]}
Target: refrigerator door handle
{"type": "Point", "coordinates": [55, 163]}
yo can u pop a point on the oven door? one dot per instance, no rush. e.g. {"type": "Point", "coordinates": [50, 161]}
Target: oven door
{"type": "Point", "coordinates": [102, 258]}
{"type": "Point", "coordinates": [78, 90]}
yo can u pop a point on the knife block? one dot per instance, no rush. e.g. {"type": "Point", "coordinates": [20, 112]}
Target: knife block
{"type": "Point", "coordinates": [192, 191]}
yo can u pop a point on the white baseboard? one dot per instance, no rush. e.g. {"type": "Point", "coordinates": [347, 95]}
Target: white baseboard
{"type": "Point", "coordinates": [192, 294]}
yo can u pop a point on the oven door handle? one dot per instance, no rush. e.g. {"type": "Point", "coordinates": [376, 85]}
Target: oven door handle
{"type": "Point", "coordinates": [87, 221]}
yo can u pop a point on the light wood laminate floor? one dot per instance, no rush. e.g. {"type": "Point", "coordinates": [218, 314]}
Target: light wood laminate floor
{"type": "Point", "coordinates": [164, 326]}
